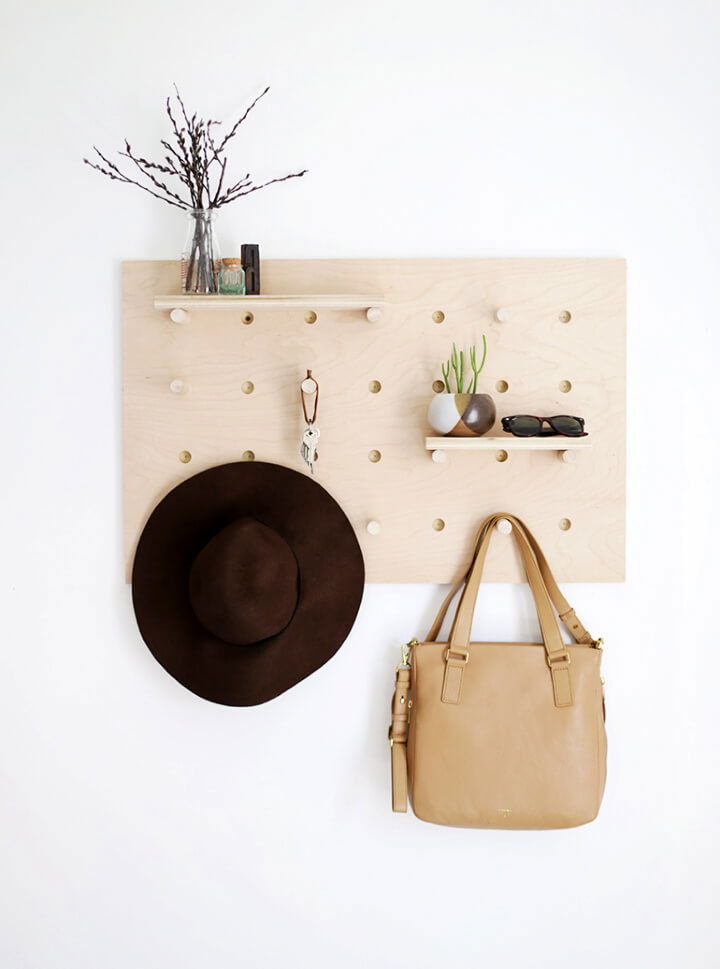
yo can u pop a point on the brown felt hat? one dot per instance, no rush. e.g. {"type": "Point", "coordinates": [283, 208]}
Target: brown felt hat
{"type": "Point", "coordinates": [247, 578]}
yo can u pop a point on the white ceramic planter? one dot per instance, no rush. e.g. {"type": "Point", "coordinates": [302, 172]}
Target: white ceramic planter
{"type": "Point", "coordinates": [461, 415]}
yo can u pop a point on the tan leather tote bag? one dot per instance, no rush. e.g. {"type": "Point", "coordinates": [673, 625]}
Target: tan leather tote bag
{"type": "Point", "coordinates": [501, 735]}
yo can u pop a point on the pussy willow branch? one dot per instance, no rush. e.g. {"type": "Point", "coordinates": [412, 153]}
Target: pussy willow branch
{"type": "Point", "coordinates": [256, 188]}
{"type": "Point", "coordinates": [195, 157]}
{"type": "Point", "coordinates": [234, 129]}
{"type": "Point", "coordinates": [182, 156]}
{"type": "Point", "coordinates": [113, 172]}
{"type": "Point", "coordinates": [145, 168]}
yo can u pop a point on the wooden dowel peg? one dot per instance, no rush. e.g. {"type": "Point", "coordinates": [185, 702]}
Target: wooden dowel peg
{"type": "Point", "coordinates": [178, 386]}
{"type": "Point", "coordinates": [567, 456]}
{"type": "Point", "coordinates": [501, 315]}
{"type": "Point", "coordinates": [373, 314]}
{"type": "Point", "coordinates": [373, 527]}
{"type": "Point", "coordinates": [179, 315]}
{"type": "Point", "coordinates": [438, 456]}
{"type": "Point", "coordinates": [504, 526]}
{"type": "Point", "coordinates": [308, 386]}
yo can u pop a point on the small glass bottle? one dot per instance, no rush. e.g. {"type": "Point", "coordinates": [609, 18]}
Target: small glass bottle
{"type": "Point", "coordinates": [232, 277]}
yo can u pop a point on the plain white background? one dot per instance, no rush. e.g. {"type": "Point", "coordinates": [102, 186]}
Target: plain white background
{"type": "Point", "coordinates": [142, 828]}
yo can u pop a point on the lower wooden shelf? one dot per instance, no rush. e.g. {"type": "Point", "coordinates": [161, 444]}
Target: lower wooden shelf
{"type": "Point", "coordinates": [508, 443]}
{"type": "Point", "coordinates": [564, 446]}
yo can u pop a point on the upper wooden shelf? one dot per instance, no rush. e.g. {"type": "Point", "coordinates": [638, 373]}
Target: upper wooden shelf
{"type": "Point", "coordinates": [341, 301]}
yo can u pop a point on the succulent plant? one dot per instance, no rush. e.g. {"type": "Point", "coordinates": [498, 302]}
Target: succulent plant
{"type": "Point", "coordinates": [456, 365]}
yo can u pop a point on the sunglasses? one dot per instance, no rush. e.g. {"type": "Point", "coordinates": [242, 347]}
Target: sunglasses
{"type": "Point", "coordinates": [525, 425]}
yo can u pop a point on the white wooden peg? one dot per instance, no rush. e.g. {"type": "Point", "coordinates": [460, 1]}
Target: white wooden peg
{"type": "Point", "coordinates": [178, 386]}
{"type": "Point", "coordinates": [373, 314]}
{"type": "Point", "coordinates": [504, 526]}
{"type": "Point", "coordinates": [439, 456]}
{"type": "Point", "coordinates": [373, 527]}
{"type": "Point", "coordinates": [179, 315]}
{"type": "Point", "coordinates": [501, 315]}
{"type": "Point", "coordinates": [567, 456]}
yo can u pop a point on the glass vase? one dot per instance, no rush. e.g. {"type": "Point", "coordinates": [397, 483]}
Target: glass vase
{"type": "Point", "coordinates": [200, 262]}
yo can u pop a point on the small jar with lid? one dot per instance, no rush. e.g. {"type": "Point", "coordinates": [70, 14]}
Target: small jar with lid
{"type": "Point", "coordinates": [232, 277]}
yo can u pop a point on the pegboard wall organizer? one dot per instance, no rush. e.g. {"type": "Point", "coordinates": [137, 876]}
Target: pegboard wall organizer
{"type": "Point", "coordinates": [221, 390]}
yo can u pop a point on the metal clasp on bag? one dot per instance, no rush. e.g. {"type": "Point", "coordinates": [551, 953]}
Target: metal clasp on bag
{"type": "Point", "coordinates": [405, 653]}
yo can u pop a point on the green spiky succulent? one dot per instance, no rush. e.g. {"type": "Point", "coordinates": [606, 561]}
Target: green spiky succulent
{"type": "Point", "coordinates": [456, 365]}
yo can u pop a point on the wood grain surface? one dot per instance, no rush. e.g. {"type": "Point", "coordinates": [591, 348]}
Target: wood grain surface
{"type": "Point", "coordinates": [428, 512]}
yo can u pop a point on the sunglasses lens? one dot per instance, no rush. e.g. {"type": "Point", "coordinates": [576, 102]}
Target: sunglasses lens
{"type": "Point", "coordinates": [525, 426]}
{"type": "Point", "coordinates": [567, 425]}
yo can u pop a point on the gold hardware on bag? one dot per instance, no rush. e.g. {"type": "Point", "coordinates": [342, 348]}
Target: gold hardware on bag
{"type": "Point", "coordinates": [405, 652]}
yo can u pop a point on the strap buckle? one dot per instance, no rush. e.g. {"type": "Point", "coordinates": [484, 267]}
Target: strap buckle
{"type": "Point", "coordinates": [463, 654]}
{"type": "Point", "coordinates": [556, 659]}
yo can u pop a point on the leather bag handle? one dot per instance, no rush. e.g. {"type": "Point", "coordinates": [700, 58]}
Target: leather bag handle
{"type": "Point", "coordinates": [461, 630]}
{"type": "Point", "coordinates": [565, 610]}
{"type": "Point", "coordinates": [458, 653]}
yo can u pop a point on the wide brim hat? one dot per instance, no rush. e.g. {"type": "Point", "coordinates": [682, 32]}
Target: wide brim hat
{"type": "Point", "coordinates": [247, 578]}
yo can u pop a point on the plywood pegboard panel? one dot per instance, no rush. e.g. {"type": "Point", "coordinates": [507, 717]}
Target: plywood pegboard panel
{"type": "Point", "coordinates": [533, 350]}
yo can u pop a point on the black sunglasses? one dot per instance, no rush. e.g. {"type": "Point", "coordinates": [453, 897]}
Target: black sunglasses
{"type": "Point", "coordinates": [525, 425]}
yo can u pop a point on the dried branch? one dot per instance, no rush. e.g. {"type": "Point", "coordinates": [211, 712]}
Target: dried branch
{"type": "Point", "coordinates": [220, 182]}
{"type": "Point", "coordinates": [179, 138]}
{"type": "Point", "coordinates": [237, 124]}
{"type": "Point", "coordinates": [195, 157]}
{"type": "Point", "coordinates": [256, 188]}
{"type": "Point", "coordinates": [116, 175]}
{"type": "Point", "coordinates": [145, 169]}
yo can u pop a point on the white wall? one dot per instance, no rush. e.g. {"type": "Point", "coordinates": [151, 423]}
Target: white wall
{"type": "Point", "coordinates": [142, 828]}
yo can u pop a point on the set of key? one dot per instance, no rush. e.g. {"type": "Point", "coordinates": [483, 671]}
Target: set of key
{"type": "Point", "coordinates": [311, 435]}
{"type": "Point", "coordinates": [308, 448]}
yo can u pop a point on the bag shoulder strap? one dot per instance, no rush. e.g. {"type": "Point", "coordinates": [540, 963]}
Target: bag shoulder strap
{"type": "Point", "coordinates": [434, 630]}
{"type": "Point", "coordinates": [397, 735]}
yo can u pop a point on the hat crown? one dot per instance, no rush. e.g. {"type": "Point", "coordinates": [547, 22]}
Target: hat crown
{"type": "Point", "coordinates": [243, 584]}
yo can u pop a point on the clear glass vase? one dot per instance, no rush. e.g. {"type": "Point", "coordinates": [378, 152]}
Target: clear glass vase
{"type": "Point", "coordinates": [200, 262]}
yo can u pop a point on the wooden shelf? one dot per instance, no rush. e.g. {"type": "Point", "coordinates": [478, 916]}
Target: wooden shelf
{"type": "Point", "coordinates": [508, 443]}
{"type": "Point", "coordinates": [564, 447]}
{"type": "Point", "coordinates": [301, 301]}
